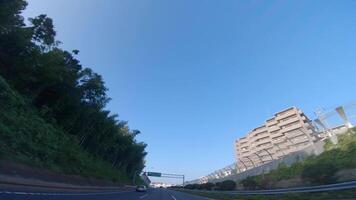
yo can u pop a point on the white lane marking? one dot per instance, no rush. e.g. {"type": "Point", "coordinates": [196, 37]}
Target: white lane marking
{"type": "Point", "coordinates": [173, 197]}
{"type": "Point", "coordinates": [62, 194]}
{"type": "Point", "coordinates": [141, 197]}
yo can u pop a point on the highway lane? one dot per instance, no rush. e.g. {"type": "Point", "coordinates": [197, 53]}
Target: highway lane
{"type": "Point", "coordinates": [151, 194]}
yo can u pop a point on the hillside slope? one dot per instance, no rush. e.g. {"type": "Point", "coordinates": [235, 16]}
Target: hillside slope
{"type": "Point", "coordinates": [26, 137]}
{"type": "Point", "coordinates": [53, 110]}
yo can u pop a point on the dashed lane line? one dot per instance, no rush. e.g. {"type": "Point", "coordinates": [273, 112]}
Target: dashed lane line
{"type": "Point", "coordinates": [143, 196]}
{"type": "Point", "coordinates": [173, 197]}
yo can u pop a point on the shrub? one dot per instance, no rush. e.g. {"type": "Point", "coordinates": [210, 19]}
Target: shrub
{"type": "Point", "coordinates": [228, 185]}
{"type": "Point", "coordinates": [320, 173]}
{"type": "Point", "coordinates": [190, 186]}
{"type": "Point", "coordinates": [208, 186]}
{"type": "Point", "coordinates": [284, 172]}
{"type": "Point", "coordinates": [328, 145]}
{"type": "Point", "coordinates": [250, 183]}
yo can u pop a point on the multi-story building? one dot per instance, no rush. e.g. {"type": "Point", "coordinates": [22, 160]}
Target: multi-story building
{"type": "Point", "coordinates": [287, 131]}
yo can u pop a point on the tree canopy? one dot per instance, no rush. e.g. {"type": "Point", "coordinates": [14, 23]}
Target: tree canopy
{"type": "Point", "coordinates": [66, 94]}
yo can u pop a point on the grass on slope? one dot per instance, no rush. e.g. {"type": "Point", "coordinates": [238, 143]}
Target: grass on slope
{"type": "Point", "coordinates": [343, 194]}
{"type": "Point", "coordinates": [26, 137]}
{"type": "Point", "coordinates": [315, 170]}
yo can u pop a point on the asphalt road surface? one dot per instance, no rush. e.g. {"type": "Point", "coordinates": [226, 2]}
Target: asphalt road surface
{"type": "Point", "coordinates": [151, 194]}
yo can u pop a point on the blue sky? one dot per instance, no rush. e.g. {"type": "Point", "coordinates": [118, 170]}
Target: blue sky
{"type": "Point", "coordinates": [195, 75]}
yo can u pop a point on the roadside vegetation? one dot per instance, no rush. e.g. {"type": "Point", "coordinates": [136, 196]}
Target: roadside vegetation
{"type": "Point", "coordinates": [336, 164]}
{"type": "Point", "coordinates": [344, 194]}
{"type": "Point", "coordinates": [53, 109]}
{"type": "Point", "coordinates": [223, 186]}
{"type": "Point", "coordinates": [326, 168]}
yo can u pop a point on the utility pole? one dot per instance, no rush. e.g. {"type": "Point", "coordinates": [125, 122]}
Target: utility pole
{"type": "Point", "coordinates": [183, 180]}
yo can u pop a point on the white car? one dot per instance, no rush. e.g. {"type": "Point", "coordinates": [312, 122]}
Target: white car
{"type": "Point", "coordinates": [141, 188]}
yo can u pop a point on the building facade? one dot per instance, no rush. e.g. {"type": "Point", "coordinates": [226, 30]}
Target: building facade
{"type": "Point", "coordinates": [287, 131]}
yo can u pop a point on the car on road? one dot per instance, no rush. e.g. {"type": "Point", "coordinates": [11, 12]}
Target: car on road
{"type": "Point", "coordinates": [141, 188]}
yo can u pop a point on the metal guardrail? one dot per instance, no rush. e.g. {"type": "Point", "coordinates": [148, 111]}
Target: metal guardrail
{"type": "Point", "coordinates": [52, 185]}
{"type": "Point", "coordinates": [320, 188]}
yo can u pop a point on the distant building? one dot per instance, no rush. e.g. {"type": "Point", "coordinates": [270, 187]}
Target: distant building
{"type": "Point", "coordinates": [287, 131]}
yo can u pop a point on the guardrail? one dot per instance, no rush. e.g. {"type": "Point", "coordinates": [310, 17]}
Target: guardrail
{"type": "Point", "coordinates": [320, 188]}
{"type": "Point", "coordinates": [20, 182]}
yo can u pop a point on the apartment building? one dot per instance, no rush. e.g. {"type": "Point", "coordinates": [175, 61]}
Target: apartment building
{"type": "Point", "coordinates": [287, 131]}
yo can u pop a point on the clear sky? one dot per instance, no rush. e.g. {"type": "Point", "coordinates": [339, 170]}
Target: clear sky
{"type": "Point", "coordinates": [195, 75]}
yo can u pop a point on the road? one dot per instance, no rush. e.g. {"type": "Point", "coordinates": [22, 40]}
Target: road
{"type": "Point", "coordinates": [151, 194]}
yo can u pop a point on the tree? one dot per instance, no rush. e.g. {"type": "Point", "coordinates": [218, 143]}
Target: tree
{"type": "Point", "coordinates": [208, 186]}
{"type": "Point", "coordinates": [320, 173]}
{"type": "Point", "coordinates": [65, 94]}
{"type": "Point", "coordinates": [228, 185]}
{"type": "Point", "coordinates": [249, 183]}
{"type": "Point", "coordinates": [93, 89]}
{"type": "Point", "coordinates": [10, 15]}
{"type": "Point", "coordinates": [43, 31]}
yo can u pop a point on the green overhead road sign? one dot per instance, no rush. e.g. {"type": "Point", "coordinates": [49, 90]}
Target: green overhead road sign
{"type": "Point", "coordinates": [157, 174]}
{"type": "Point", "coordinates": [164, 175]}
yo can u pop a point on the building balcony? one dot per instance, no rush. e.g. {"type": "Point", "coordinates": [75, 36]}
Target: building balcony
{"type": "Point", "coordinates": [300, 140]}
{"type": "Point", "coordinates": [271, 122]}
{"type": "Point", "coordinates": [245, 146]}
{"type": "Point", "coordinates": [291, 127]}
{"type": "Point", "coordinates": [261, 136]}
{"type": "Point", "coordinates": [262, 141]}
{"type": "Point", "coordinates": [259, 130]}
{"type": "Point", "coordinates": [281, 144]}
{"type": "Point", "coordinates": [263, 145]}
{"type": "Point", "coordinates": [240, 144]}
{"type": "Point", "coordinates": [285, 114]}
{"type": "Point", "coordinates": [273, 128]}
{"type": "Point", "coordinates": [277, 138]}
{"type": "Point", "coordinates": [295, 133]}
{"type": "Point", "coordinates": [242, 140]}
{"type": "Point", "coordinates": [289, 120]}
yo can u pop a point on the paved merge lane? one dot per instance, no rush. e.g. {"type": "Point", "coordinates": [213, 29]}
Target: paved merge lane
{"type": "Point", "coordinates": [151, 194]}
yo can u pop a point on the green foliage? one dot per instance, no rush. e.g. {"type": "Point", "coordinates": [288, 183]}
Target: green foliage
{"type": "Point", "coordinates": [328, 145]}
{"type": "Point", "coordinates": [43, 30]}
{"type": "Point", "coordinates": [28, 138]}
{"type": "Point", "coordinates": [10, 14]}
{"type": "Point", "coordinates": [284, 172]}
{"type": "Point", "coordinates": [319, 173]}
{"type": "Point", "coordinates": [315, 170]}
{"type": "Point", "coordinates": [191, 186]}
{"type": "Point", "coordinates": [224, 185]}
{"type": "Point", "coordinates": [250, 183]}
{"type": "Point", "coordinates": [55, 107]}
{"type": "Point", "coordinates": [227, 185]}
{"type": "Point", "coordinates": [208, 186]}
{"type": "Point", "coordinates": [342, 194]}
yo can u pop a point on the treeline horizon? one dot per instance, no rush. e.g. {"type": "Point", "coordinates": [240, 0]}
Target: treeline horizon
{"type": "Point", "coordinates": [65, 94]}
